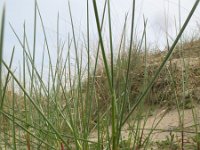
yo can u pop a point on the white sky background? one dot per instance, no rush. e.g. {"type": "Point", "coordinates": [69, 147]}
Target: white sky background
{"type": "Point", "coordinates": [158, 12]}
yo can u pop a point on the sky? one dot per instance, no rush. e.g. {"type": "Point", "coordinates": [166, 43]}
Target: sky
{"type": "Point", "coordinates": [162, 17]}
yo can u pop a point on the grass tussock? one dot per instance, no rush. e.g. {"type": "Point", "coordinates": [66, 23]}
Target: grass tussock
{"type": "Point", "coordinates": [168, 85]}
{"type": "Point", "coordinates": [120, 104]}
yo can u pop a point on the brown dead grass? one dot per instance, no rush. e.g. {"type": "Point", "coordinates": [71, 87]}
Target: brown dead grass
{"type": "Point", "coordinates": [168, 86]}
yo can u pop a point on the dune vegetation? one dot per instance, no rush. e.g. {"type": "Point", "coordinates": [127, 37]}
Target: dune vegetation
{"type": "Point", "coordinates": [133, 99]}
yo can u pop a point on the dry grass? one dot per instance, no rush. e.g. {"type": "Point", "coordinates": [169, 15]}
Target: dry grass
{"type": "Point", "coordinates": [167, 87]}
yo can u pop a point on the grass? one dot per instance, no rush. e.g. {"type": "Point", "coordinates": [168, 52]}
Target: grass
{"type": "Point", "coordinates": [1, 48]}
{"type": "Point", "coordinates": [66, 109]}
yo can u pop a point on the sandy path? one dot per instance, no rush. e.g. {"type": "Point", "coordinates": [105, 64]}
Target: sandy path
{"type": "Point", "coordinates": [170, 122]}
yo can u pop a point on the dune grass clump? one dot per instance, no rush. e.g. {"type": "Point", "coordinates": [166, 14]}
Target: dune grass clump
{"type": "Point", "coordinates": [168, 84]}
{"type": "Point", "coordinates": [65, 110]}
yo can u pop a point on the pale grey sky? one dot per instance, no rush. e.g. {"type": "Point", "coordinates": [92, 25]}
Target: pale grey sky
{"type": "Point", "coordinates": [158, 12]}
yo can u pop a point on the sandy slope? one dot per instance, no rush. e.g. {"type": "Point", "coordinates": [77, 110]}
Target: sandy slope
{"type": "Point", "coordinates": [168, 121]}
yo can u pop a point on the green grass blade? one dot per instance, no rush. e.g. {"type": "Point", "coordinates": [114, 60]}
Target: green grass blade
{"type": "Point", "coordinates": [34, 45]}
{"type": "Point", "coordinates": [114, 143]}
{"type": "Point", "coordinates": [13, 115]}
{"type": "Point", "coordinates": [111, 43]}
{"type": "Point", "coordinates": [128, 69]}
{"type": "Point", "coordinates": [1, 47]}
{"type": "Point", "coordinates": [78, 65]}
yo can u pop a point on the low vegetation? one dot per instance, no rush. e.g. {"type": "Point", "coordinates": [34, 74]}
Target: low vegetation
{"type": "Point", "coordinates": [117, 102]}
